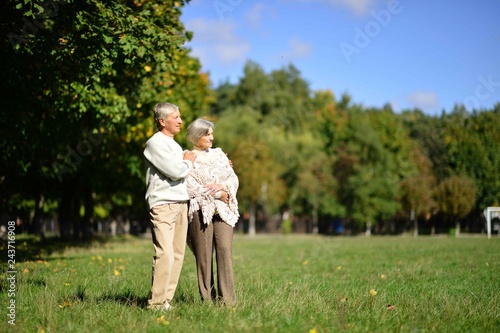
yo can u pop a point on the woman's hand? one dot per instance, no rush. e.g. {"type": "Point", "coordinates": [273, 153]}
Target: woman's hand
{"type": "Point", "coordinates": [224, 197]}
{"type": "Point", "coordinates": [211, 189]}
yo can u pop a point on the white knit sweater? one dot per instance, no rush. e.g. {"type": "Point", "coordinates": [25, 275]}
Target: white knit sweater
{"type": "Point", "coordinates": [212, 167]}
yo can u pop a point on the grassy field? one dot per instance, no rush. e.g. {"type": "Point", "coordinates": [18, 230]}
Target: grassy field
{"type": "Point", "coordinates": [294, 283]}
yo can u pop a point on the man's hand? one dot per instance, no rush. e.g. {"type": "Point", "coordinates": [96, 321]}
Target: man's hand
{"type": "Point", "coordinates": [189, 155]}
{"type": "Point", "coordinates": [230, 162]}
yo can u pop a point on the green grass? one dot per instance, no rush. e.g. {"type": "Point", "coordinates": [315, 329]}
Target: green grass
{"type": "Point", "coordinates": [293, 283]}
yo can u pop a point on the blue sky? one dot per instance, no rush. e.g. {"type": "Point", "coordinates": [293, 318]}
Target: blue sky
{"type": "Point", "coordinates": [430, 54]}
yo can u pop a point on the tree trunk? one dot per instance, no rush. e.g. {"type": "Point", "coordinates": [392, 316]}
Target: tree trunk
{"type": "Point", "coordinates": [37, 218]}
{"type": "Point", "coordinates": [65, 213]}
{"type": "Point", "coordinates": [315, 220]}
{"type": "Point", "coordinates": [457, 228]}
{"type": "Point", "coordinates": [63, 217]}
{"type": "Point", "coordinates": [251, 220]}
{"type": "Point", "coordinates": [88, 204]}
{"type": "Point", "coordinates": [75, 218]}
{"type": "Point", "coordinates": [415, 227]}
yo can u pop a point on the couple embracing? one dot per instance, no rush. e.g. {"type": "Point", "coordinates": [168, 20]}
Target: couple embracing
{"type": "Point", "coordinates": [190, 195]}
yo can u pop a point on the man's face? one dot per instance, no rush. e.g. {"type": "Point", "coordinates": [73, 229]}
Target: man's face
{"type": "Point", "coordinates": [172, 125]}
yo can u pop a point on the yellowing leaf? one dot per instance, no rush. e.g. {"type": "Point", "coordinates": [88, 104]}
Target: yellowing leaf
{"type": "Point", "coordinates": [373, 292]}
{"type": "Point", "coordinates": [162, 320]}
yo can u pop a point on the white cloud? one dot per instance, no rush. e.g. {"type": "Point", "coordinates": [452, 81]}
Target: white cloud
{"type": "Point", "coordinates": [395, 105]}
{"type": "Point", "coordinates": [297, 49]}
{"type": "Point", "coordinates": [216, 41]}
{"type": "Point", "coordinates": [424, 100]}
{"type": "Point", "coordinates": [227, 53]}
{"type": "Point", "coordinates": [255, 15]}
{"type": "Point", "coordinates": [358, 7]}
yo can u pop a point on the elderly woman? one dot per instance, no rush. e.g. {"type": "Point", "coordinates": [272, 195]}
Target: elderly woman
{"type": "Point", "coordinates": [213, 212]}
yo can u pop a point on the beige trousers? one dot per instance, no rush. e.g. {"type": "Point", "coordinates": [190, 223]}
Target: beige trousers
{"type": "Point", "coordinates": [217, 235]}
{"type": "Point", "coordinates": [169, 228]}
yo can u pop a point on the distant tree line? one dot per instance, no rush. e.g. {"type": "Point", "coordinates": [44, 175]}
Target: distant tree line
{"type": "Point", "coordinates": [79, 82]}
{"type": "Point", "coordinates": [341, 167]}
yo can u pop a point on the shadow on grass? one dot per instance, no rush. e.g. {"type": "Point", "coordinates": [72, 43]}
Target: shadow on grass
{"type": "Point", "coordinates": [125, 297]}
{"type": "Point", "coordinates": [32, 248]}
{"type": "Point", "coordinates": [128, 297]}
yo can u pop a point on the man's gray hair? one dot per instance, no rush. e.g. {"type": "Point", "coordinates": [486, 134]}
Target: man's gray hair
{"type": "Point", "coordinates": [198, 128]}
{"type": "Point", "coordinates": [163, 110]}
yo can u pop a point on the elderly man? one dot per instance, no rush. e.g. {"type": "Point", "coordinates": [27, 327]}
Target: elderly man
{"type": "Point", "coordinates": [167, 197]}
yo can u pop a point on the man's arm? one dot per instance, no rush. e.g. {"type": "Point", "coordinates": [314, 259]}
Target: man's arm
{"type": "Point", "coordinates": [166, 160]}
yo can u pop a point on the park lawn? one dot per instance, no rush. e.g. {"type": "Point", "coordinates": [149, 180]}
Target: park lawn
{"type": "Point", "coordinates": [293, 283]}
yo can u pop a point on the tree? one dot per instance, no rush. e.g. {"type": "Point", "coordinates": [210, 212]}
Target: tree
{"type": "Point", "coordinates": [473, 146]}
{"type": "Point", "coordinates": [87, 74]}
{"type": "Point", "coordinates": [373, 154]}
{"type": "Point", "coordinates": [416, 195]}
{"type": "Point", "coordinates": [278, 105]}
{"type": "Point", "coordinates": [245, 142]}
{"type": "Point", "coordinates": [416, 192]}
{"type": "Point", "coordinates": [455, 197]}
{"type": "Point", "coordinates": [428, 132]}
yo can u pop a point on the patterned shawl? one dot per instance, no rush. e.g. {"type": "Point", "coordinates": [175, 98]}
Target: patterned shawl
{"type": "Point", "coordinates": [213, 168]}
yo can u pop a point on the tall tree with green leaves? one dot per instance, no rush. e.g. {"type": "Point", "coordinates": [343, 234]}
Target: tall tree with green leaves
{"type": "Point", "coordinates": [455, 197]}
{"type": "Point", "coordinates": [428, 132]}
{"type": "Point", "coordinates": [279, 106]}
{"type": "Point", "coordinates": [80, 76]}
{"type": "Point", "coordinates": [372, 152]}
{"type": "Point", "coordinates": [473, 149]}
{"type": "Point", "coordinates": [245, 140]}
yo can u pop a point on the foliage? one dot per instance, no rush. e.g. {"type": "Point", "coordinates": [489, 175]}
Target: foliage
{"type": "Point", "coordinates": [82, 86]}
{"type": "Point", "coordinates": [82, 78]}
{"type": "Point", "coordinates": [243, 138]}
{"type": "Point", "coordinates": [456, 196]}
{"type": "Point", "coordinates": [473, 149]}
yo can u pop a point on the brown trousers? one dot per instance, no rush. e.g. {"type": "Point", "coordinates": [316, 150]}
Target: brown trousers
{"type": "Point", "coordinates": [217, 236]}
{"type": "Point", "coordinates": [169, 227]}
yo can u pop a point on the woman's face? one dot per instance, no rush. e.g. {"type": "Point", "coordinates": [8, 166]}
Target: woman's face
{"type": "Point", "coordinates": [205, 141]}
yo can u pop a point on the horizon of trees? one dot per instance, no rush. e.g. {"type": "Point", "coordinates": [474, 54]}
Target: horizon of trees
{"type": "Point", "coordinates": [80, 80]}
